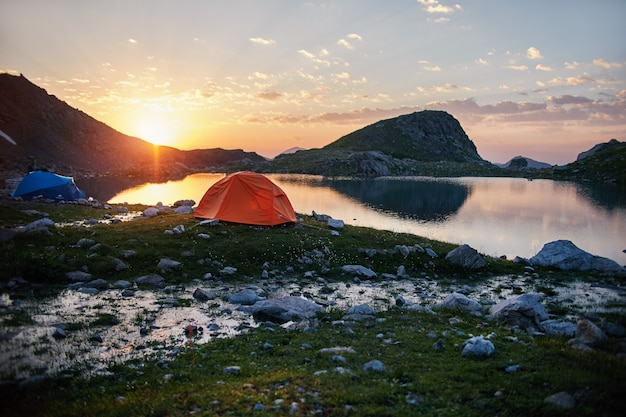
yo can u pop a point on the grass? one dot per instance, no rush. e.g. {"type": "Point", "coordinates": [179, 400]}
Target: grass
{"type": "Point", "coordinates": [285, 379]}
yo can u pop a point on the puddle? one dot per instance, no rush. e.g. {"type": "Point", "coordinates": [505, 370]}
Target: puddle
{"type": "Point", "coordinates": [153, 323]}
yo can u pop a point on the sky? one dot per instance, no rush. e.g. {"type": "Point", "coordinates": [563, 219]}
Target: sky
{"type": "Point", "coordinates": [542, 79]}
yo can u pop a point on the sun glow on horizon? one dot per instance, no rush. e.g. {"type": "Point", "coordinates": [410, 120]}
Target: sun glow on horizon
{"type": "Point", "coordinates": [154, 130]}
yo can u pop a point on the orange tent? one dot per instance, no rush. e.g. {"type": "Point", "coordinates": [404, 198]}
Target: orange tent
{"type": "Point", "coordinates": [248, 198]}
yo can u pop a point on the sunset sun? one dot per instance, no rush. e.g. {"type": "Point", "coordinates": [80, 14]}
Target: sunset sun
{"type": "Point", "coordinates": [154, 130]}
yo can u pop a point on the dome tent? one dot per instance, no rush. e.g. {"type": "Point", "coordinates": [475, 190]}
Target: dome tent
{"type": "Point", "coordinates": [47, 185]}
{"type": "Point", "coordinates": [248, 198]}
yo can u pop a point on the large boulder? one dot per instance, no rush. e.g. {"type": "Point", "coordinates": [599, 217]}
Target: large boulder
{"type": "Point", "coordinates": [152, 280]}
{"type": "Point", "coordinates": [563, 254]}
{"type": "Point", "coordinates": [525, 312]}
{"type": "Point", "coordinates": [466, 257]}
{"type": "Point", "coordinates": [458, 302]}
{"type": "Point", "coordinates": [358, 270]}
{"type": "Point", "coordinates": [282, 310]}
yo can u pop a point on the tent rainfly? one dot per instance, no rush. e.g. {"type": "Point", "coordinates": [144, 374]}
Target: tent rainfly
{"type": "Point", "coordinates": [47, 185]}
{"type": "Point", "coordinates": [248, 198]}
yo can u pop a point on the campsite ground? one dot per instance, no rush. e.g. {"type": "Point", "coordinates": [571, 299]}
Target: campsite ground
{"type": "Point", "coordinates": [269, 370]}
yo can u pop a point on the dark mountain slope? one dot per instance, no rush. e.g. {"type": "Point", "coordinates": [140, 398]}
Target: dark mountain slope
{"type": "Point", "coordinates": [68, 141]}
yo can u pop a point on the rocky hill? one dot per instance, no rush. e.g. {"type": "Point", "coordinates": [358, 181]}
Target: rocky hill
{"type": "Point", "coordinates": [422, 143]}
{"type": "Point", "coordinates": [523, 162]}
{"type": "Point", "coordinates": [605, 162]}
{"type": "Point", "coordinates": [66, 140]}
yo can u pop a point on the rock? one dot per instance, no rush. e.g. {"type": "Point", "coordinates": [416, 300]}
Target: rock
{"type": "Point", "coordinates": [168, 265]}
{"type": "Point", "coordinates": [321, 217]}
{"type": "Point", "coordinates": [478, 346]}
{"type": "Point", "coordinates": [85, 243]}
{"type": "Point", "coordinates": [150, 212]}
{"type": "Point", "coordinates": [458, 302]}
{"type": "Point", "coordinates": [119, 264]}
{"type": "Point", "coordinates": [431, 253]}
{"type": "Point", "coordinates": [87, 290]}
{"type": "Point", "coordinates": [401, 272]}
{"type": "Point", "coordinates": [128, 253]}
{"type": "Point", "coordinates": [184, 203]}
{"type": "Point", "coordinates": [231, 370]}
{"type": "Point", "coordinates": [403, 249]}
{"type": "Point", "coordinates": [227, 271]}
{"type": "Point", "coordinates": [245, 297]}
{"type": "Point", "coordinates": [558, 328]}
{"type": "Point", "coordinates": [358, 270]}
{"type": "Point", "coordinates": [152, 280]}
{"type": "Point", "coordinates": [511, 369]}
{"type": "Point", "coordinates": [78, 276]}
{"type": "Point", "coordinates": [97, 337]}
{"type": "Point", "coordinates": [204, 236]}
{"type": "Point", "coordinates": [525, 312]}
{"type": "Point", "coordinates": [183, 210]}
{"type": "Point", "coordinates": [122, 284]}
{"type": "Point", "coordinates": [44, 223]}
{"type": "Point", "coordinates": [362, 309]}
{"type": "Point", "coordinates": [374, 366]}
{"type": "Point", "coordinates": [439, 345]}
{"type": "Point", "coordinates": [587, 333]}
{"type": "Point", "coordinates": [561, 400]}
{"type": "Point", "coordinates": [282, 310]}
{"type": "Point", "coordinates": [203, 295]}
{"type": "Point", "coordinates": [563, 254]}
{"type": "Point", "coordinates": [99, 284]}
{"type": "Point", "coordinates": [335, 224]}
{"type": "Point", "coordinates": [59, 333]}
{"type": "Point", "coordinates": [466, 257]}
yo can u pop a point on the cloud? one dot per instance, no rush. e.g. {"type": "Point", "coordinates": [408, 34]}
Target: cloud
{"type": "Point", "coordinates": [346, 43]}
{"type": "Point", "coordinates": [446, 88]}
{"type": "Point", "coordinates": [131, 40]}
{"type": "Point", "coordinates": [568, 99]}
{"type": "Point", "coordinates": [517, 67]}
{"type": "Point", "coordinates": [606, 65]}
{"type": "Point", "coordinates": [433, 6]}
{"type": "Point", "coordinates": [482, 61]}
{"type": "Point", "coordinates": [433, 69]}
{"type": "Point", "coordinates": [314, 58]}
{"type": "Point", "coordinates": [262, 41]}
{"type": "Point", "coordinates": [571, 65]}
{"type": "Point", "coordinates": [541, 67]}
{"type": "Point", "coordinates": [533, 53]}
{"type": "Point", "coordinates": [269, 95]}
{"type": "Point", "coordinates": [580, 80]}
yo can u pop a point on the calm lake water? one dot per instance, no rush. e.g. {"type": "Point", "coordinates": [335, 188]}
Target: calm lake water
{"type": "Point", "coordinates": [496, 216]}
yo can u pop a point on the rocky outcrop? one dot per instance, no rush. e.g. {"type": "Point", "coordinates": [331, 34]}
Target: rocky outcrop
{"type": "Point", "coordinates": [565, 255]}
{"type": "Point", "coordinates": [597, 148]}
{"type": "Point", "coordinates": [466, 257]}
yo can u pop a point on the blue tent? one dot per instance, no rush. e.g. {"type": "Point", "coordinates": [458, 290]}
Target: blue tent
{"type": "Point", "coordinates": [47, 185]}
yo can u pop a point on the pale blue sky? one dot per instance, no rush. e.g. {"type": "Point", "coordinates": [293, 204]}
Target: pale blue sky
{"type": "Point", "coordinates": [545, 79]}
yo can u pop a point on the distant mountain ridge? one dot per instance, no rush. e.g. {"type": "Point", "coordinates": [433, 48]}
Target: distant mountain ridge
{"type": "Point", "coordinates": [66, 140]}
{"type": "Point", "coordinates": [523, 162]}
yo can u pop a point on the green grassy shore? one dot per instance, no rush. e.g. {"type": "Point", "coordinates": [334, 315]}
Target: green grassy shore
{"type": "Point", "coordinates": [287, 372]}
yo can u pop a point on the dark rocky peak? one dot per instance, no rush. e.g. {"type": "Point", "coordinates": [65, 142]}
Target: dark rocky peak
{"type": "Point", "coordinates": [427, 135]}
{"type": "Point", "coordinates": [597, 148]}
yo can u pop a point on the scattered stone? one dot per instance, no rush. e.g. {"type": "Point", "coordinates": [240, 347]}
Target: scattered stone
{"type": "Point", "coordinates": [413, 399]}
{"type": "Point", "coordinates": [431, 253]}
{"type": "Point", "coordinates": [525, 312]}
{"type": "Point", "coordinates": [374, 366]}
{"type": "Point", "coordinates": [203, 295]}
{"type": "Point", "coordinates": [231, 370]}
{"type": "Point", "coordinates": [466, 257]}
{"type": "Point", "coordinates": [78, 276]}
{"type": "Point", "coordinates": [99, 284]}
{"type": "Point", "coordinates": [97, 337]}
{"type": "Point", "coordinates": [184, 203]}
{"type": "Point", "coordinates": [558, 328]}
{"type": "Point", "coordinates": [478, 346]}
{"type": "Point", "coordinates": [246, 297]}
{"type": "Point", "coordinates": [89, 291]}
{"type": "Point", "coordinates": [179, 229]}
{"type": "Point", "coordinates": [37, 225]}
{"type": "Point", "coordinates": [204, 236]}
{"type": "Point", "coordinates": [285, 309]}
{"type": "Point", "coordinates": [338, 349]}
{"type": "Point", "coordinates": [588, 334]}
{"type": "Point", "coordinates": [122, 284]}
{"type": "Point", "coordinates": [151, 212]}
{"type": "Point", "coordinates": [358, 270]}
{"type": "Point", "coordinates": [458, 302]}
{"type": "Point", "coordinates": [562, 400]}
{"type": "Point", "coordinates": [128, 253]}
{"type": "Point", "coordinates": [512, 369]}
{"type": "Point", "coordinates": [152, 280]}
{"type": "Point", "coordinates": [183, 210]}
{"type": "Point", "coordinates": [335, 224]}
{"type": "Point", "coordinates": [362, 309]}
{"type": "Point", "coordinates": [227, 271]}
{"type": "Point", "coordinates": [85, 243]}
{"type": "Point", "coordinates": [59, 333]}
{"type": "Point", "coordinates": [119, 264]}
{"type": "Point", "coordinates": [168, 265]}
{"type": "Point", "coordinates": [439, 345]}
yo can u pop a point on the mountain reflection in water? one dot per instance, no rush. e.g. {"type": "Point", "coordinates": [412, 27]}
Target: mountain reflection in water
{"type": "Point", "coordinates": [496, 216]}
{"type": "Point", "coordinates": [416, 198]}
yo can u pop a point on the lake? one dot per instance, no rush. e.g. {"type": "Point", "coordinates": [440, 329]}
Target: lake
{"type": "Point", "coordinates": [496, 216]}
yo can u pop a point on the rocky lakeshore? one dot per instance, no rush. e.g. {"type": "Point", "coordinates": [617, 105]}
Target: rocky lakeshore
{"type": "Point", "coordinates": [104, 287]}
